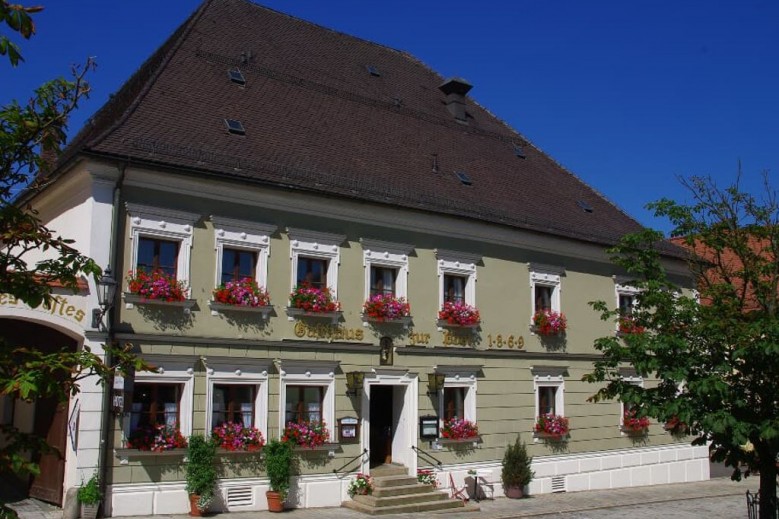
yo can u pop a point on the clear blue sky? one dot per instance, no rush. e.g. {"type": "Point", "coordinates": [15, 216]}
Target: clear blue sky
{"type": "Point", "coordinates": [627, 95]}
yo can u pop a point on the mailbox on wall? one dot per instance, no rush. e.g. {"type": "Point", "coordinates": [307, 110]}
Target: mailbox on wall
{"type": "Point", "coordinates": [348, 429]}
{"type": "Point", "coordinates": [428, 427]}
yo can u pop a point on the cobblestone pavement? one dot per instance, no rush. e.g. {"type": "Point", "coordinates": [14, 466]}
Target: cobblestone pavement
{"type": "Point", "coordinates": [714, 499]}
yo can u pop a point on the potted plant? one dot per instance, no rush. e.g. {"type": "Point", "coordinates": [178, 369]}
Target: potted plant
{"type": "Point", "coordinates": [383, 307]}
{"type": "Point", "coordinates": [361, 485]}
{"type": "Point", "coordinates": [306, 434]}
{"type": "Point", "coordinates": [551, 426]}
{"type": "Point", "coordinates": [278, 465]}
{"type": "Point", "coordinates": [156, 285]}
{"type": "Point", "coordinates": [634, 424]}
{"type": "Point", "coordinates": [200, 473]}
{"type": "Point", "coordinates": [313, 300]}
{"type": "Point", "coordinates": [549, 323]}
{"type": "Point", "coordinates": [516, 473]}
{"type": "Point", "coordinates": [246, 293]}
{"type": "Point", "coordinates": [459, 429]}
{"type": "Point", "coordinates": [88, 496]}
{"type": "Point", "coordinates": [458, 314]}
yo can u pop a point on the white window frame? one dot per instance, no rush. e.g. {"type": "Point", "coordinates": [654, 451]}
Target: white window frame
{"type": "Point", "coordinates": [319, 245]}
{"type": "Point", "coordinates": [242, 235]}
{"type": "Point", "coordinates": [249, 372]}
{"type": "Point", "coordinates": [457, 264]}
{"type": "Point", "coordinates": [389, 255]}
{"type": "Point", "coordinates": [629, 376]}
{"type": "Point", "coordinates": [621, 288]}
{"type": "Point", "coordinates": [459, 376]}
{"type": "Point", "coordinates": [309, 373]}
{"type": "Point", "coordinates": [548, 276]}
{"type": "Point", "coordinates": [170, 370]}
{"type": "Point", "coordinates": [549, 376]}
{"type": "Point", "coordinates": [163, 224]}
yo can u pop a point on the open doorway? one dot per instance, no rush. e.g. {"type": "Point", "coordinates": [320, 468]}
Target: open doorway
{"type": "Point", "coordinates": [382, 425]}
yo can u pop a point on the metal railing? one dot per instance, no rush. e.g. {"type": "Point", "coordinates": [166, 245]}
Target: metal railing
{"type": "Point", "coordinates": [753, 506]}
{"type": "Point", "coordinates": [352, 460]}
{"type": "Point", "coordinates": [429, 458]}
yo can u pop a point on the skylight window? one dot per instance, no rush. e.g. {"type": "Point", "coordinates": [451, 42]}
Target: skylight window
{"type": "Point", "coordinates": [463, 177]}
{"type": "Point", "coordinates": [235, 127]}
{"type": "Point", "coordinates": [236, 76]}
{"type": "Point", "coordinates": [373, 71]}
{"type": "Point", "coordinates": [587, 208]}
{"type": "Point", "coordinates": [519, 151]}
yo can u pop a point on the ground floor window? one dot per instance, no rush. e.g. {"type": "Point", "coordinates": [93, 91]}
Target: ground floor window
{"type": "Point", "coordinates": [155, 404]}
{"type": "Point", "coordinates": [304, 404]}
{"type": "Point", "coordinates": [233, 403]}
{"type": "Point", "coordinates": [454, 403]}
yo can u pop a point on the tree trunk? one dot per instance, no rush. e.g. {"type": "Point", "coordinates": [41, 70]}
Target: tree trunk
{"type": "Point", "coordinates": [767, 484]}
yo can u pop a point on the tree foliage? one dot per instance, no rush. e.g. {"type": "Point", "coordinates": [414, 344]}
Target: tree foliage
{"type": "Point", "coordinates": [712, 341]}
{"type": "Point", "coordinates": [31, 137]}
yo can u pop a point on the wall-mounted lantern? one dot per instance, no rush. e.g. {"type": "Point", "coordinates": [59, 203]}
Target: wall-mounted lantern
{"type": "Point", "coordinates": [354, 380]}
{"type": "Point", "coordinates": [435, 383]}
{"type": "Point", "coordinates": [106, 290]}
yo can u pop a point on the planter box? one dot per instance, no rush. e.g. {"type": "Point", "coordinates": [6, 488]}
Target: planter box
{"type": "Point", "coordinates": [475, 440]}
{"type": "Point", "coordinates": [217, 308]}
{"type": "Point", "coordinates": [551, 437]}
{"type": "Point", "coordinates": [134, 299]}
{"type": "Point", "coordinates": [327, 447]}
{"type": "Point", "coordinates": [403, 321]}
{"type": "Point", "coordinates": [124, 455]}
{"type": "Point", "coordinates": [446, 324]}
{"type": "Point", "coordinates": [297, 313]}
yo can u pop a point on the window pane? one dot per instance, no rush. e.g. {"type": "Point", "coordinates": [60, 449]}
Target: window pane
{"type": "Point", "coordinates": [383, 281]}
{"type": "Point", "coordinates": [146, 254]}
{"type": "Point", "coordinates": [625, 304]}
{"type": "Point", "coordinates": [454, 288]}
{"type": "Point", "coordinates": [546, 399]}
{"type": "Point", "coordinates": [303, 403]}
{"type": "Point", "coordinates": [454, 403]}
{"type": "Point", "coordinates": [233, 403]}
{"type": "Point", "coordinates": [155, 404]}
{"type": "Point", "coordinates": [158, 255]}
{"type": "Point", "coordinates": [237, 265]}
{"type": "Point", "coordinates": [543, 297]}
{"type": "Point", "coordinates": [168, 257]}
{"type": "Point", "coordinates": [312, 271]}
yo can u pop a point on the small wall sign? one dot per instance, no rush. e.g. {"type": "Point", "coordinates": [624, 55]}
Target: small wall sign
{"type": "Point", "coordinates": [349, 429]}
{"type": "Point", "coordinates": [428, 427]}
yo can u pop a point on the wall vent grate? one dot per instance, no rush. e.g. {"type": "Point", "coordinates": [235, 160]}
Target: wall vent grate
{"type": "Point", "coordinates": [240, 496]}
{"type": "Point", "coordinates": [558, 484]}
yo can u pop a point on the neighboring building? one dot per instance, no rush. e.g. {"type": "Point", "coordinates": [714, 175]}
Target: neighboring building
{"type": "Point", "coordinates": [256, 144]}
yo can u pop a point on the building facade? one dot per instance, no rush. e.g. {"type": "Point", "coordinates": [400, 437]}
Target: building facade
{"type": "Point", "coordinates": [255, 145]}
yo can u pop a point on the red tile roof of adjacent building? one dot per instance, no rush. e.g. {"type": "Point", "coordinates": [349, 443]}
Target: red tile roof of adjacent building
{"type": "Point", "coordinates": [316, 120]}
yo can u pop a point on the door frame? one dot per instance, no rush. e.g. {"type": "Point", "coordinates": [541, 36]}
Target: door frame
{"type": "Point", "coordinates": [408, 426]}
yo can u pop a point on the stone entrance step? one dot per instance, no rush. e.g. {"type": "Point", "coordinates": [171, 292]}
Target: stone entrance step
{"type": "Point", "coordinates": [395, 492]}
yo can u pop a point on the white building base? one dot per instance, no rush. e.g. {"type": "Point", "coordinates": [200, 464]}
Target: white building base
{"type": "Point", "coordinates": [565, 473]}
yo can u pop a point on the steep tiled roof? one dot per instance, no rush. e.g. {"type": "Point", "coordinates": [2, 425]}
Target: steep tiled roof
{"type": "Point", "coordinates": [316, 120]}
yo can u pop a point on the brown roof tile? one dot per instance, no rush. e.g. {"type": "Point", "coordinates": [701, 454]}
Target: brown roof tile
{"type": "Point", "coordinates": [315, 119]}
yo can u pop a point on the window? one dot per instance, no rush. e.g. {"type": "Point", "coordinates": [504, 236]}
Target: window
{"type": "Point", "coordinates": [303, 404]}
{"type": "Point", "coordinates": [6, 410]}
{"type": "Point", "coordinates": [154, 254]}
{"type": "Point", "coordinates": [242, 250]}
{"type": "Point", "coordinates": [454, 402]}
{"type": "Point", "coordinates": [312, 271]}
{"type": "Point", "coordinates": [307, 392]}
{"type": "Point", "coordinates": [315, 258]}
{"type": "Point", "coordinates": [545, 287]}
{"type": "Point", "coordinates": [238, 264]}
{"type": "Point", "coordinates": [630, 376]}
{"type": "Point", "coordinates": [155, 404]}
{"type": "Point", "coordinates": [456, 277]}
{"type": "Point", "coordinates": [458, 398]}
{"type": "Point", "coordinates": [161, 239]}
{"type": "Point", "coordinates": [162, 398]}
{"type": "Point", "coordinates": [238, 392]}
{"type": "Point", "coordinates": [549, 388]}
{"type": "Point", "coordinates": [626, 296]}
{"type": "Point", "coordinates": [386, 267]}
{"type": "Point", "coordinates": [454, 288]}
{"type": "Point", "coordinates": [626, 304]}
{"type": "Point", "coordinates": [383, 281]}
{"type": "Point", "coordinates": [232, 403]}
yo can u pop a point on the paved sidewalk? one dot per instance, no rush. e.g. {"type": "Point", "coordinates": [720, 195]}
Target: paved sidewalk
{"type": "Point", "coordinates": [723, 499]}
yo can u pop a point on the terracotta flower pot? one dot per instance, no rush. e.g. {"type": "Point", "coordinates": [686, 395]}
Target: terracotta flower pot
{"type": "Point", "coordinates": [194, 511]}
{"type": "Point", "coordinates": [514, 492]}
{"type": "Point", "coordinates": [275, 503]}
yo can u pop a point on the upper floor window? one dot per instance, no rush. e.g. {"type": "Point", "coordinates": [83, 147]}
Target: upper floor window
{"type": "Point", "coordinates": [386, 268]}
{"type": "Point", "coordinates": [315, 258]}
{"type": "Point", "coordinates": [155, 404]}
{"type": "Point", "coordinates": [545, 287]}
{"type": "Point", "coordinates": [158, 255]}
{"type": "Point", "coordinates": [161, 240]}
{"type": "Point", "coordinates": [242, 250]}
{"type": "Point", "coordinates": [456, 277]}
{"type": "Point", "coordinates": [383, 281]}
{"type": "Point", "coordinates": [626, 304]}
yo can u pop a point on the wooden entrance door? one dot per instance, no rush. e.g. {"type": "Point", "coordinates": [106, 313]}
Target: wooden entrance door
{"type": "Point", "coordinates": [51, 422]}
{"type": "Point", "coordinates": [381, 425]}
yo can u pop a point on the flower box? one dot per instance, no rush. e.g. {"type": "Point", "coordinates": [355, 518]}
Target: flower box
{"type": "Point", "coordinates": [551, 426]}
{"type": "Point", "coordinates": [548, 323]}
{"type": "Point", "coordinates": [125, 455]}
{"type": "Point", "coordinates": [403, 321]}
{"type": "Point", "coordinates": [233, 436]}
{"type": "Point", "coordinates": [627, 325]}
{"type": "Point", "coordinates": [634, 425]}
{"type": "Point", "coordinates": [459, 429]}
{"type": "Point", "coordinates": [217, 308]}
{"type": "Point", "coordinates": [131, 299]}
{"type": "Point", "coordinates": [385, 308]}
{"type": "Point", "coordinates": [244, 293]}
{"type": "Point", "coordinates": [458, 315]}
{"type": "Point", "coordinates": [460, 441]}
{"type": "Point", "coordinates": [306, 434]}
{"type": "Point", "coordinates": [156, 285]}
{"type": "Point", "coordinates": [446, 324]}
{"type": "Point", "coordinates": [317, 448]}
{"type": "Point", "coordinates": [550, 436]}
{"type": "Point", "coordinates": [295, 313]}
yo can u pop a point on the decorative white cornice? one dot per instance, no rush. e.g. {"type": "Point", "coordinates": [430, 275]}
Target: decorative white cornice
{"type": "Point", "coordinates": [170, 215]}
{"type": "Point", "coordinates": [323, 238]}
{"type": "Point", "coordinates": [379, 246]}
{"type": "Point", "coordinates": [243, 226]}
{"type": "Point", "coordinates": [465, 258]}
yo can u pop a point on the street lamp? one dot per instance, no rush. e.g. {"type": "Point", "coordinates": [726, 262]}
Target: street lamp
{"type": "Point", "coordinates": [106, 290]}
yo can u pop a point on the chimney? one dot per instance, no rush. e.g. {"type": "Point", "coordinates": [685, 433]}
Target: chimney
{"type": "Point", "coordinates": [455, 90]}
